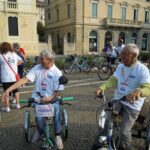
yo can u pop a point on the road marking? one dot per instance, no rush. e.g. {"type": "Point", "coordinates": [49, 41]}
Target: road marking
{"type": "Point", "coordinates": [73, 81]}
{"type": "Point", "coordinates": [83, 80]}
{"type": "Point", "coordinates": [69, 86]}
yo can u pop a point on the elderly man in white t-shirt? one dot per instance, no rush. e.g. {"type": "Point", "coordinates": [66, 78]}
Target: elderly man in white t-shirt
{"type": "Point", "coordinates": [46, 78]}
{"type": "Point", "coordinates": [131, 79]}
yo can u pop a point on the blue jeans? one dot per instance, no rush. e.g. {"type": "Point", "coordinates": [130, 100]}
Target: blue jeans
{"type": "Point", "coordinates": [40, 121]}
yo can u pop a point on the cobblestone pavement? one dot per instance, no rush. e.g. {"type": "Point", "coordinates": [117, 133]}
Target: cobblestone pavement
{"type": "Point", "coordinates": [82, 116]}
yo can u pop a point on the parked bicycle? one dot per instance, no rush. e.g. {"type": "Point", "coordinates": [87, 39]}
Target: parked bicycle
{"type": "Point", "coordinates": [97, 63]}
{"type": "Point", "coordinates": [108, 121]}
{"type": "Point", "coordinates": [74, 64]}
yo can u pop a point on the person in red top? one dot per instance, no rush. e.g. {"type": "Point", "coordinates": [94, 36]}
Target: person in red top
{"type": "Point", "coordinates": [22, 51]}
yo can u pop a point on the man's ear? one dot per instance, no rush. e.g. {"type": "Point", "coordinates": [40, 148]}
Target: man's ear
{"type": "Point", "coordinates": [135, 56]}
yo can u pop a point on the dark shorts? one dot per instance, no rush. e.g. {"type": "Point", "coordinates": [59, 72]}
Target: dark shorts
{"type": "Point", "coordinates": [6, 85]}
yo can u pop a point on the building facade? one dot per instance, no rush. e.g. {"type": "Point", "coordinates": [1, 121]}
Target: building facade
{"type": "Point", "coordinates": [18, 23]}
{"type": "Point", "coordinates": [40, 11]}
{"type": "Point", "coordinates": [86, 26]}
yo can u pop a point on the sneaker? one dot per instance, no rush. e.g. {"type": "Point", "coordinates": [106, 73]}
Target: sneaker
{"type": "Point", "coordinates": [17, 106]}
{"type": "Point", "coordinates": [35, 137]}
{"type": "Point", "coordinates": [6, 109]}
{"type": "Point", "coordinates": [14, 101]}
{"type": "Point", "coordinates": [59, 142]}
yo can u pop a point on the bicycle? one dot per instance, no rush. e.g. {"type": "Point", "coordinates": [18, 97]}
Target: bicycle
{"type": "Point", "coordinates": [97, 63]}
{"type": "Point", "coordinates": [108, 135]}
{"type": "Point", "coordinates": [46, 110]}
{"type": "Point", "coordinates": [107, 70]}
{"type": "Point", "coordinates": [47, 140]}
{"type": "Point", "coordinates": [72, 65]}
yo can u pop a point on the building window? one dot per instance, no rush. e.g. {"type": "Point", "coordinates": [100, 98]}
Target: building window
{"type": "Point", "coordinates": [134, 38]}
{"type": "Point", "coordinates": [69, 37]}
{"type": "Point", "coordinates": [93, 41]}
{"type": "Point", "coordinates": [147, 17]}
{"type": "Point", "coordinates": [123, 13]}
{"type": "Point", "coordinates": [57, 11]}
{"type": "Point", "coordinates": [49, 16]}
{"type": "Point", "coordinates": [109, 11]}
{"type": "Point", "coordinates": [68, 10]}
{"type": "Point", "coordinates": [108, 38]}
{"type": "Point", "coordinates": [122, 36]}
{"type": "Point", "coordinates": [13, 26]}
{"type": "Point", "coordinates": [94, 10]}
{"type": "Point", "coordinates": [48, 2]}
{"type": "Point", "coordinates": [12, 0]}
{"type": "Point", "coordinates": [135, 14]}
{"type": "Point", "coordinates": [144, 42]}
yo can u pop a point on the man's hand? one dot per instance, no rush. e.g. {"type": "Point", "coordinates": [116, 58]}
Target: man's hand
{"type": "Point", "coordinates": [134, 95]}
{"type": "Point", "coordinates": [99, 91]}
{"type": "Point", "coordinates": [46, 99]}
{"type": "Point", "coordinates": [5, 95]}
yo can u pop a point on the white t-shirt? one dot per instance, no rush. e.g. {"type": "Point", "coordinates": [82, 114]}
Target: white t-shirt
{"type": "Point", "coordinates": [120, 48]}
{"type": "Point", "coordinates": [111, 53]}
{"type": "Point", "coordinates": [46, 81]}
{"type": "Point", "coordinates": [129, 79]}
{"type": "Point", "coordinates": [7, 74]}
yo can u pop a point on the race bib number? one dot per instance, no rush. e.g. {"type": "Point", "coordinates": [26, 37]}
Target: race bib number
{"type": "Point", "coordinates": [124, 89]}
{"type": "Point", "coordinates": [44, 110]}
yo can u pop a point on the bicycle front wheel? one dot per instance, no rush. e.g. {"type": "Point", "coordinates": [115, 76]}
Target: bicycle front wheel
{"type": "Point", "coordinates": [27, 126]}
{"type": "Point", "coordinates": [64, 123]}
{"type": "Point", "coordinates": [104, 73]}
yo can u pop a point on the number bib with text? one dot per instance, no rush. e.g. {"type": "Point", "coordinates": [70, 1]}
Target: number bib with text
{"type": "Point", "coordinates": [44, 110]}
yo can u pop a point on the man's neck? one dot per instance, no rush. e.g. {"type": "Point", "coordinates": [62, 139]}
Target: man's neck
{"type": "Point", "coordinates": [49, 66]}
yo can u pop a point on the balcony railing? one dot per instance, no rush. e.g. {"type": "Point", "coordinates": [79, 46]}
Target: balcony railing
{"type": "Point", "coordinates": [11, 6]}
{"type": "Point", "coordinates": [122, 23]}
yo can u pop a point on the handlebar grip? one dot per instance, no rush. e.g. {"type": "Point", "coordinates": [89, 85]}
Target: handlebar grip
{"type": "Point", "coordinates": [67, 98]}
{"type": "Point", "coordinates": [23, 101]}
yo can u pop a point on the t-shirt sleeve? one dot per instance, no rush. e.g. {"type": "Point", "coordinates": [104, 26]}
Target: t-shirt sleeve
{"type": "Point", "coordinates": [32, 74]}
{"type": "Point", "coordinates": [18, 58]}
{"type": "Point", "coordinates": [144, 75]}
{"type": "Point", "coordinates": [56, 81]}
{"type": "Point", "coordinates": [117, 72]}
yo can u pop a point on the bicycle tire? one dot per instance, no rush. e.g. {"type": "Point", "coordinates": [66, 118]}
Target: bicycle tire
{"type": "Point", "coordinates": [27, 126]}
{"type": "Point", "coordinates": [64, 123]}
{"type": "Point", "coordinates": [104, 73]}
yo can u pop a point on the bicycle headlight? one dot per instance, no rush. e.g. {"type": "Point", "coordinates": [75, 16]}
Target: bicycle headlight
{"type": "Point", "coordinates": [102, 139]}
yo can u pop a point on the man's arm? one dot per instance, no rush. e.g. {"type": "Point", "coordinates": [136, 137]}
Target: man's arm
{"type": "Point", "coordinates": [111, 82]}
{"type": "Point", "coordinates": [145, 89]}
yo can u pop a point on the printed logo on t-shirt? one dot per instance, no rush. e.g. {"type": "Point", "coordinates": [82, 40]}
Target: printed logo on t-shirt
{"type": "Point", "coordinates": [49, 76]}
{"type": "Point", "coordinates": [11, 60]}
{"type": "Point", "coordinates": [132, 76]}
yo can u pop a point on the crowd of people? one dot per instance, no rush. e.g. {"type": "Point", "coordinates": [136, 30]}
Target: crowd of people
{"type": "Point", "coordinates": [131, 79]}
{"type": "Point", "coordinates": [12, 62]}
{"type": "Point", "coordinates": [113, 52]}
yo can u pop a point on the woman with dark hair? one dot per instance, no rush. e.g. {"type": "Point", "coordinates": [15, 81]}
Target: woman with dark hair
{"type": "Point", "coordinates": [9, 62]}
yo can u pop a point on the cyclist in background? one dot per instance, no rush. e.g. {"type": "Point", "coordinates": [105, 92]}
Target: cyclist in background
{"type": "Point", "coordinates": [120, 46]}
{"type": "Point", "coordinates": [131, 79]}
{"type": "Point", "coordinates": [111, 53]}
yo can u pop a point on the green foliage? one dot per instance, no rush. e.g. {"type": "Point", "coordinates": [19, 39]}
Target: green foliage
{"type": "Point", "coordinates": [144, 56]}
{"type": "Point", "coordinates": [59, 62]}
{"type": "Point", "coordinates": [40, 29]}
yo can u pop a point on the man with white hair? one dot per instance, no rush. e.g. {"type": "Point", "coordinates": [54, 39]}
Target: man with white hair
{"type": "Point", "coordinates": [131, 79]}
{"type": "Point", "coordinates": [46, 78]}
